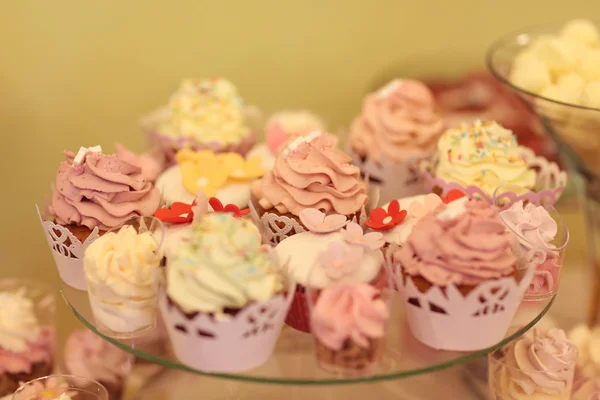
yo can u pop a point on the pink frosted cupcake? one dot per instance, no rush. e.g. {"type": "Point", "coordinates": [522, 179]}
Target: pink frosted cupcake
{"type": "Point", "coordinates": [310, 173]}
{"type": "Point", "coordinates": [93, 193]}
{"type": "Point", "coordinates": [398, 126]}
{"type": "Point", "coordinates": [89, 356]}
{"type": "Point", "coordinates": [349, 324]}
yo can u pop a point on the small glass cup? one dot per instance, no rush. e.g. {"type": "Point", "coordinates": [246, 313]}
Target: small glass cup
{"type": "Point", "coordinates": [546, 258]}
{"type": "Point", "coordinates": [507, 381]}
{"type": "Point", "coordinates": [55, 386]}
{"type": "Point", "coordinates": [354, 359]}
{"type": "Point", "coordinates": [139, 317]}
{"type": "Point", "coordinates": [44, 312]}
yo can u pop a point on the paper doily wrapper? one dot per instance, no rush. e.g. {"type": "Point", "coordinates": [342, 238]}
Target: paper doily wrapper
{"type": "Point", "coordinates": [170, 145]}
{"type": "Point", "coordinates": [394, 180]}
{"type": "Point", "coordinates": [231, 343]}
{"type": "Point", "coordinates": [462, 323]}
{"type": "Point", "coordinates": [68, 258]}
{"type": "Point", "coordinates": [276, 228]}
{"type": "Point", "coordinates": [550, 182]}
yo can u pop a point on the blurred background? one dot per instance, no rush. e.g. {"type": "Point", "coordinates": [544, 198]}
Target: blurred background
{"type": "Point", "coordinates": [76, 73]}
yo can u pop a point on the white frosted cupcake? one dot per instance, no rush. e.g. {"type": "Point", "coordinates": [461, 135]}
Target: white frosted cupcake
{"type": "Point", "coordinates": [123, 277]}
{"type": "Point", "coordinates": [201, 114]}
{"type": "Point", "coordinates": [281, 128]}
{"type": "Point", "coordinates": [217, 287]}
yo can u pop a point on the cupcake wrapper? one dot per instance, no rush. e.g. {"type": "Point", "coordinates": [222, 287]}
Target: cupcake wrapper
{"type": "Point", "coordinates": [393, 180]}
{"type": "Point", "coordinates": [68, 258]}
{"type": "Point", "coordinates": [550, 182]}
{"type": "Point", "coordinates": [455, 322]}
{"type": "Point", "coordinates": [227, 343]}
{"type": "Point", "coordinates": [170, 145]}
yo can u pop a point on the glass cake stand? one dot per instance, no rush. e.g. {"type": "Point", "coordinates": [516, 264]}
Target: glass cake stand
{"type": "Point", "coordinates": [293, 363]}
{"type": "Point", "coordinates": [575, 130]}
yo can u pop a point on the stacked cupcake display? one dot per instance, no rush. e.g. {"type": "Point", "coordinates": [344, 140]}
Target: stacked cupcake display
{"type": "Point", "coordinates": [229, 250]}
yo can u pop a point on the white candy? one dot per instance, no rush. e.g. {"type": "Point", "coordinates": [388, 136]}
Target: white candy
{"type": "Point", "coordinates": [83, 151]}
{"type": "Point", "coordinates": [298, 141]}
{"type": "Point", "coordinates": [582, 31]}
{"type": "Point", "coordinates": [589, 65]}
{"type": "Point", "coordinates": [530, 74]}
{"type": "Point", "coordinates": [571, 81]}
{"type": "Point", "coordinates": [390, 88]}
{"type": "Point", "coordinates": [557, 54]}
{"type": "Point", "coordinates": [590, 97]}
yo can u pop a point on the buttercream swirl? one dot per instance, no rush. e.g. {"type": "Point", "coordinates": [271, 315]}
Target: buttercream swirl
{"type": "Point", "coordinates": [398, 121]}
{"type": "Point", "coordinates": [123, 277]}
{"type": "Point", "coordinates": [206, 111]}
{"type": "Point", "coordinates": [349, 312]}
{"type": "Point", "coordinates": [483, 154]}
{"type": "Point", "coordinates": [313, 175]}
{"type": "Point", "coordinates": [464, 249]}
{"type": "Point", "coordinates": [90, 356]}
{"type": "Point", "coordinates": [151, 166]}
{"type": "Point", "coordinates": [537, 366]}
{"type": "Point", "coordinates": [19, 324]}
{"type": "Point", "coordinates": [104, 191]}
{"type": "Point", "coordinates": [222, 264]}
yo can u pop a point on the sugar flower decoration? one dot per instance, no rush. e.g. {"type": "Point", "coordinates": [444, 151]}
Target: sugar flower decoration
{"type": "Point", "coordinates": [206, 171]}
{"type": "Point", "coordinates": [178, 213]}
{"type": "Point", "coordinates": [239, 168]}
{"type": "Point", "coordinates": [353, 234]}
{"type": "Point", "coordinates": [217, 206]}
{"type": "Point", "coordinates": [453, 195]}
{"type": "Point", "coordinates": [339, 260]}
{"type": "Point", "coordinates": [419, 209]}
{"type": "Point", "coordinates": [316, 221]}
{"type": "Point", "coordinates": [200, 205]}
{"type": "Point", "coordinates": [381, 219]}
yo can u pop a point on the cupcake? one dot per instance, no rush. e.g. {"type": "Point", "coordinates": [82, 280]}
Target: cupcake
{"type": "Point", "coordinates": [309, 173]}
{"type": "Point", "coordinates": [281, 128]}
{"type": "Point", "coordinates": [89, 356]}
{"type": "Point", "coordinates": [331, 251]}
{"type": "Point", "coordinates": [227, 176]}
{"type": "Point", "coordinates": [452, 260]}
{"type": "Point", "coordinates": [225, 298]}
{"type": "Point", "coordinates": [398, 127]}
{"type": "Point", "coordinates": [27, 341]}
{"type": "Point", "coordinates": [587, 370]}
{"type": "Point", "coordinates": [538, 235]}
{"type": "Point", "coordinates": [349, 324]}
{"type": "Point", "coordinates": [201, 114]}
{"type": "Point", "coordinates": [538, 365]}
{"type": "Point", "coordinates": [93, 193]}
{"type": "Point", "coordinates": [123, 277]}
{"type": "Point", "coordinates": [476, 157]}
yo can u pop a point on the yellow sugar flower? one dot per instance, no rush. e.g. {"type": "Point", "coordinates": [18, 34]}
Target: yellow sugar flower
{"type": "Point", "coordinates": [205, 175]}
{"type": "Point", "coordinates": [240, 169]}
{"type": "Point", "coordinates": [193, 156]}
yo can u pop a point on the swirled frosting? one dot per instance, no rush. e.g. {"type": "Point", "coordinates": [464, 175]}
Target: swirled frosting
{"type": "Point", "coordinates": [104, 191]}
{"type": "Point", "coordinates": [537, 366]}
{"type": "Point", "coordinates": [312, 174]}
{"type": "Point", "coordinates": [398, 121]}
{"type": "Point", "coordinates": [535, 229]}
{"type": "Point", "coordinates": [207, 111]}
{"type": "Point", "coordinates": [90, 356]}
{"type": "Point", "coordinates": [19, 324]}
{"type": "Point", "coordinates": [463, 247]}
{"type": "Point", "coordinates": [482, 154]}
{"type": "Point", "coordinates": [349, 312]}
{"type": "Point", "coordinates": [151, 166]}
{"type": "Point", "coordinates": [123, 277]}
{"type": "Point", "coordinates": [221, 264]}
